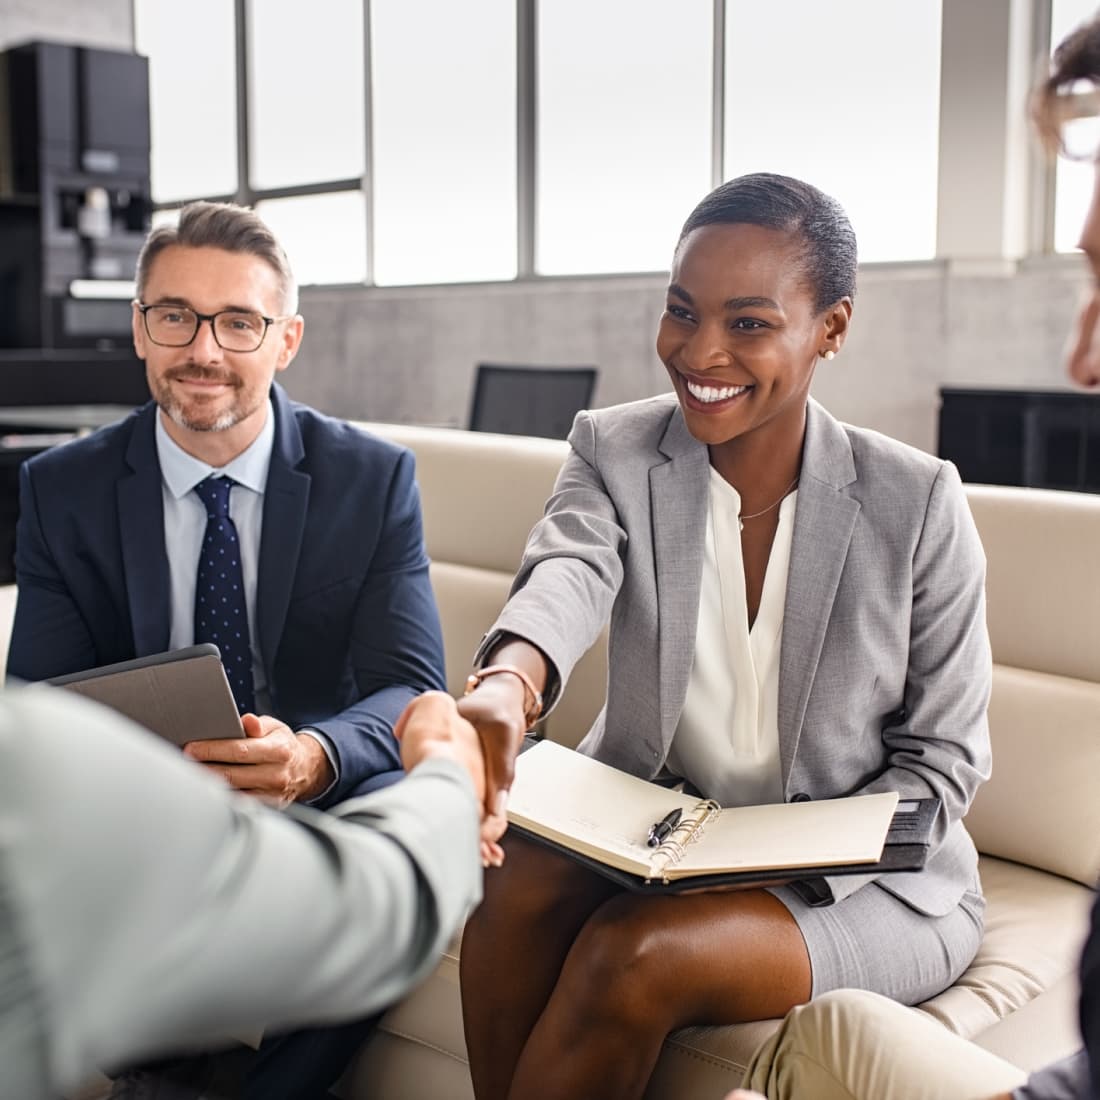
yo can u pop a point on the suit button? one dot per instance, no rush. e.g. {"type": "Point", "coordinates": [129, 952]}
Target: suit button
{"type": "Point", "coordinates": [801, 796]}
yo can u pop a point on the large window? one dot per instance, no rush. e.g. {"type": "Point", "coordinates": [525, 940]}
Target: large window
{"type": "Point", "coordinates": [323, 235]}
{"type": "Point", "coordinates": [303, 159]}
{"type": "Point", "coordinates": [305, 92]}
{"type": "Point", "coordinates": [444, 140]}
{"type": "Point", "coordinates": [1073, 179]}
{"type": "Point", "coordinates": [844, 95]}
{"type": "Point", "coordinates": [192, 96]}
{"type": "Point", "coordinates": [623, 130]}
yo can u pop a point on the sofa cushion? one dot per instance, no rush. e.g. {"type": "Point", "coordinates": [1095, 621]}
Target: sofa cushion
{"type": "Point", "coordinates": [481, 493]}
{"type": "Point", "coordinates": [1040, 807]}
{"type": "Point", "coordinates": [1045, 1030]}
{"type": "Point", "coordinates": [1042, 592]}
{"type": "Point", "coordinates": [1035, 924]}
{"type": "Point", "coordinates": [468, 599]}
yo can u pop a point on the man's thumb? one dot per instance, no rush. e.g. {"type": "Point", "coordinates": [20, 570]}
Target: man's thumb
{"type": "Point", "coordinates": [250, 723]}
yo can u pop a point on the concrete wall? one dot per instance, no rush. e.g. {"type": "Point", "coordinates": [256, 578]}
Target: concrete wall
{"type": "Point", "coordinates": [408, 355]}
{"type": "Point", "coordinates": [106, 23]}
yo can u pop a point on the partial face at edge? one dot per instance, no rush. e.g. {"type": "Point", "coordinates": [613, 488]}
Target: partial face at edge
{"type": "Point", "coordinates": [1083, 350]}
{"type": "Point", "coordinates": [740, 335]}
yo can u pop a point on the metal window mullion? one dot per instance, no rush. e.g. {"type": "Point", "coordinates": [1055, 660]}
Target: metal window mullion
{"type": "Point", "coordinates": [245, 194]}
{"type": "Point", "coordinates": [526, 136]}
{"type": "Point", "coordinates": [1042, 167]}
{"type": "Point", "coordinates": [718, 96]}
{"type": "Point", "coordinates": [367, 182]}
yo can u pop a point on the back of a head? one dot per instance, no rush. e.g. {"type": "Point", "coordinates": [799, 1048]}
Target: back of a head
{"type": "Point", "coordinates": [791, 206]}
{"type": "Point", "coordinates": [1075, 62]}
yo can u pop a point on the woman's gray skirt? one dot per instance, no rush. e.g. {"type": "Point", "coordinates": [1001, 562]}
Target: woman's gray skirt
{"type": "Point", "coordinates": [873, 940]}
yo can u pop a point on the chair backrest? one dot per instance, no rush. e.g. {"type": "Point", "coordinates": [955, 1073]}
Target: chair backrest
{"type": "Point", "coordinates": [539, 401]}
{"type": "Point", "coordinates": [1041, 806]}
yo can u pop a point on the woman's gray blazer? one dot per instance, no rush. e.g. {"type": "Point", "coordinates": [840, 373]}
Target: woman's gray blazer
{"type": "Point", "coordinates": [885, 666]}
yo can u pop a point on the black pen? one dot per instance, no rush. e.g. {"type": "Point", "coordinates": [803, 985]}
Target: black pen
{"type": "Point", "coordinates": [660, 829]}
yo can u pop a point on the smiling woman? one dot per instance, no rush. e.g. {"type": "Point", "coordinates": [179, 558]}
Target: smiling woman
{"type": "Point", "coordinates": [796, 611]}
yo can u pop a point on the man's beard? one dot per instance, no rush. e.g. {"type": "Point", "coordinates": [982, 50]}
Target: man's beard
{"type": "Point", "coordinates": [196, 420]}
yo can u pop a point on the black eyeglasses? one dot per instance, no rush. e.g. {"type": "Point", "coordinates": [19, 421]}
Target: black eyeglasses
{"type": "Point", "coordinates": [177, 326]}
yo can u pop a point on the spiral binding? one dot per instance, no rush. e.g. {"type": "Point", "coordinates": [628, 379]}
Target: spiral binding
{"type": "Point", "coordinates": [671, 850]}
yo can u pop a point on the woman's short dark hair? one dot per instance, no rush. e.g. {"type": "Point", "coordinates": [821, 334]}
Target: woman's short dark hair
{"type": "Point", "coordinates": [780, 202]}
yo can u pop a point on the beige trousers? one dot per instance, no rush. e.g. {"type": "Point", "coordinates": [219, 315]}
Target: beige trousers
{"type": "Point", "coordinates": [854, 1045]}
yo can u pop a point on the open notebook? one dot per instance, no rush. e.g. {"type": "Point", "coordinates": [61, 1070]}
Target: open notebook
{"type": "Point", "coordinates": [605, 818]}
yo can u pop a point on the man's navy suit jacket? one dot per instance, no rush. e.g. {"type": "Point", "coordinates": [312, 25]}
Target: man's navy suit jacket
{"type": "Point", "coordinates": [347, 624]}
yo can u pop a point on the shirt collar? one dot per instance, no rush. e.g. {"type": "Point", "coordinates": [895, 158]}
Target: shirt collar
{"type": "Point", "coordinates": [181, 472]}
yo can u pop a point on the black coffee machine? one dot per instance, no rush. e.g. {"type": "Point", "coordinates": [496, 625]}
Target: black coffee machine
{"type": "Point", "coordinates": [74, 194]}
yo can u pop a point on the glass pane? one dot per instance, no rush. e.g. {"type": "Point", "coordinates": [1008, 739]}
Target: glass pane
{"type": "Point", "coordinates": [624, 124]}
{"type": "Point", "coordinates": [849, 103]}
{"type": "Point", "coordinates": [305, 91]}
{"type": "Point", "coordinates": [1073, 180]}
{"type": "Point", "coordinates": [324, 235]}
{"type": "Point", "coordinates": [192, 96]}
{"type": "Point", "coordinates": [165, 217]}
{"type": "Point", "coordinates": [444, 140]}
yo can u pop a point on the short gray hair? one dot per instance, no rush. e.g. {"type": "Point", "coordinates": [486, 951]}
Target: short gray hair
{"type": "Point", "coordinates": [220, 225]}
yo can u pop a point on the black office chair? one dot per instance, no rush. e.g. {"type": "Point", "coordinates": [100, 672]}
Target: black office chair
{"type": "Point", "coordinates": [538, 401]}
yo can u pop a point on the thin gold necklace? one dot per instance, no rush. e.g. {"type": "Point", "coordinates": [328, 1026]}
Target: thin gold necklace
{"type": "Point", "coordinates": [782, 496]}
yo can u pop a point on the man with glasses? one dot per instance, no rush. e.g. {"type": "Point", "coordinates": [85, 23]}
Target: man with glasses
{"type": "Point", "coordinates": [223, 512]}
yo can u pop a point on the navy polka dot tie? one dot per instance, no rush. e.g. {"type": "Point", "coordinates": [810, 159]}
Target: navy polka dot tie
{"type": "Point", "coordinates": [221, 614]}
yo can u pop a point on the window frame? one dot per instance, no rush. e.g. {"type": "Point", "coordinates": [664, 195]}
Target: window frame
{"type": "Point", "coordinates": [1041, 191]}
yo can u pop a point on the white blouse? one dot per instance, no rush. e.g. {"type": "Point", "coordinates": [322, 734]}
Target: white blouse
{"type": "Point", "coordinates": [727, 741]}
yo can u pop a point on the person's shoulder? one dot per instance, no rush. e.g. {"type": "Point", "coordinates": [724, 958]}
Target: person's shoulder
{"type": "Point", "coordinates": [330, 440]}
{"type": "Point", "coordinates": [634, 423]}
{"type": "Point", "coordinates": [88, 455]}
{"type": "Point", "coordinates": [870, 447]}
{"type": "Point", "coordinates": [898, 484]}
{"type": "Point", "coordinates": [648, 410]}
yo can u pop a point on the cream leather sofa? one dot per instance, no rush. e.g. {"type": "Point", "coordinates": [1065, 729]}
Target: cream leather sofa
{"type": "Point", "coordinates": [7, 613]}
{"type": "Point", "coordinates": [1037, 822]}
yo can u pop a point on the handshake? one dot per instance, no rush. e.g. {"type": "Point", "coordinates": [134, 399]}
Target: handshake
{"type": "Point", "coordinates": [431, 728]}
{"type": "Point", "coordinates": [485, 743]}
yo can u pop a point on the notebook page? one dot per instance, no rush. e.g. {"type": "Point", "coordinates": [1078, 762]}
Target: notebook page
{"type": "Point", "coordinates": [793, 834]}
{"type": "Point", "coordinates": [589, 807]}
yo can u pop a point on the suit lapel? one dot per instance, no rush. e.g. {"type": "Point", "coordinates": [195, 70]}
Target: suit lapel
{"type": "Point", "coordinates": [825, 518]}
{"type": "Point", "coordinates": [678, 501]}
{"type": "Point", "coordinates": [141, 536]}
{"type": "Point", "coordinates": [286, 500]}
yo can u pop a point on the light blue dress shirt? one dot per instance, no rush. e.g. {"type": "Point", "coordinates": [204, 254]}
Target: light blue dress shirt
{"type": "Point", "coordinates": [185, 526]}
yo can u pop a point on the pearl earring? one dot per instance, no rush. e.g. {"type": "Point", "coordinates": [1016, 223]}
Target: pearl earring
{"type": "Point", "coordinates": [830, 354]}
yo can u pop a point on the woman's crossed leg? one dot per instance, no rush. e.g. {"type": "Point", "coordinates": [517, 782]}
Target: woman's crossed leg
{"type": "Point", "coordinates": [570, 984]}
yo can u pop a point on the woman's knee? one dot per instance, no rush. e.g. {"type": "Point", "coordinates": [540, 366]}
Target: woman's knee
{"type": "Point", "coordinates": [536, 902]}
{"type": "Point", "coordinates": [619, 964]}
